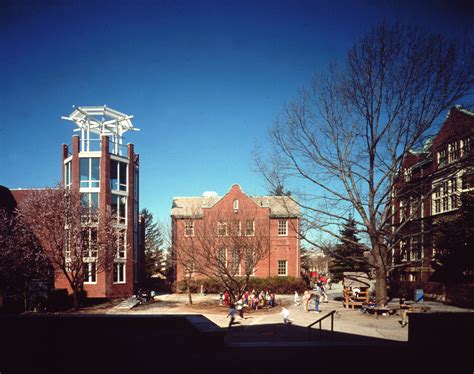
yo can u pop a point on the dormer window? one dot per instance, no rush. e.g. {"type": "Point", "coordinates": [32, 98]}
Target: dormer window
{"type": "Point", "coordinates": [236, 204]}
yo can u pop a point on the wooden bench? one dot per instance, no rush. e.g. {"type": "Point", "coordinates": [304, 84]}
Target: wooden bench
{"type": "Point", "coordinates": [351, 300]}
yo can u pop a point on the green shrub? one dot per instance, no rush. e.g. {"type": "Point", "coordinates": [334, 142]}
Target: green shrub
{"type": "Point", "coordinates": [279, 285]}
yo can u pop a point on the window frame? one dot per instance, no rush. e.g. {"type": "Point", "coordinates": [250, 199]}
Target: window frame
{"type": "Point", "coordinates": [282, 232]}
{"type": "Point", "coordinates": [279, 268]}
{"type": "Point", "coordinates": [186, 228]}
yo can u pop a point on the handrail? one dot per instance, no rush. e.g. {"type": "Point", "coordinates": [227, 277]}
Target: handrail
{"type": "Point", "coordinates": [330, 314]}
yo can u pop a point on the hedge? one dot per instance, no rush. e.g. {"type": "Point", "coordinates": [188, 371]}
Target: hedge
{"type": "Point", "coordinates": [279, 285]}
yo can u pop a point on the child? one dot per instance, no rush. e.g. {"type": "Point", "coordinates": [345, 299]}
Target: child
{"type": "Point", "coordinates": [286, 315]}
{"type": "Point", "coordinates": [231, 314]}
{"type": "Point", "coordinates": [240, 308]}
{"type": "Point", "coordinates": [297, 302]}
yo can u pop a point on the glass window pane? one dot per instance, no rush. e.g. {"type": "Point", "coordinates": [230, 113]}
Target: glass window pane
{"type": "Point", "coordinates": [85, 200]}
{"type": "Point", "coordinates": [113, 175]}
{"type": "Point", "coordinates": [94, 200]}
{"type": "Point", "coordinates": [123, 176]}
{"type": "Point", "coordinates": [95, 171]}
{"type": "Point", "coordinates": [84, 171]}
{"type": "Point", "coordinates": [113, 204]}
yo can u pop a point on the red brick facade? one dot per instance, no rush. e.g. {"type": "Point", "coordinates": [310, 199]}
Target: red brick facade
{"type": "Point", "coordinates": [428, 188]}
{"type": "Point", "coordinates": [266, 211]}
{"type": "Point", "coordinates": [105, 285]}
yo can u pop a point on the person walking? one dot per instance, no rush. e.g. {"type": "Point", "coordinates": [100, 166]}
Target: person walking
{"type": "Point", "coordinates": [231, 314]}
{"type": "Point", "coordinates": [240, 308]}
{"type": "Point", "coordinates": [286, 315]}
{"type": "Point", "coordinates": [317, 299]}
{"type": "Point", "coordinates": [306, 297]}
{"type": "Point", "coordinates": [297, 299]}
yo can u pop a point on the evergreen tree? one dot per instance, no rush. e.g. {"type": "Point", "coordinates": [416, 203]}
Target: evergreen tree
{"type": "Point", "coordinates": [153, 244]}
{"type": "Point", "coordinates": [349, 254]}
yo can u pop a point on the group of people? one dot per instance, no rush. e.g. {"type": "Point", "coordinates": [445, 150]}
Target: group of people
{"type": "Point", "coordinates": [252, 299]}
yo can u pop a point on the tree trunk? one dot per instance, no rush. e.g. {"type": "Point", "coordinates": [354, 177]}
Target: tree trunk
{"type": "Point", "coordinates": [190, 299]}
{"type": "Point", "coordinates": [381, 286]}
{"type": "Point", "coordinates": [75, 296]}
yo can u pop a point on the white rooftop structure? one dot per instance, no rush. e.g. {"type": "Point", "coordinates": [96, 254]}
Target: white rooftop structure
{"type": "Point", "coordinates": [101, 120]}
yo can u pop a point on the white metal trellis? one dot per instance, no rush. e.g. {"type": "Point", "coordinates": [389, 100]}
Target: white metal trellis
{"type": "Point", "coordinates": [101, 120]}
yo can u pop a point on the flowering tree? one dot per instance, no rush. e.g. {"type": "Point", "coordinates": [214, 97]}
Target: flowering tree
{"type": "Point", "coordinates": [22, 259]}
{"type": "Point", "coordinates": [80, 240]}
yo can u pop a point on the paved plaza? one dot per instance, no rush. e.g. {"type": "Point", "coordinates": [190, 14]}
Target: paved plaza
{"type": "Point", "coordinates": [264, 325]}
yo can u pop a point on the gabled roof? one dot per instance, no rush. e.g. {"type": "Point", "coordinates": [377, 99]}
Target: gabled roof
{"type": "Point", "coordinates": [192, 207]}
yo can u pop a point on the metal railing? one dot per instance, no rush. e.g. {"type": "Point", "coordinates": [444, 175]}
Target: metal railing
{"type": "Point", "coordinates": [320, 320]}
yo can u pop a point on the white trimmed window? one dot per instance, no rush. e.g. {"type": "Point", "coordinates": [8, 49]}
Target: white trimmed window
{"type": "Point", "coordinates": [404, 250]}
{"type": "Point", "coordinates": [408, 174]}
{"type": "Point", "coordinates": [121, 244]}
{"type": "Point", "coordinates": [118, 175]}
{"type": "Point", "coordinates": [189, 228]}
{"type": "Point", "coordinates": [282, 267]}
{"type": "Point", "coordinates": [118, 205]}
{"type": "Point", "coordinates": [90, 275]}
{"type": "Point", "coordinates": [453, 151]}
{"type": "Point", "coordinates": [235, 264]}
{"type": "Point", "coordinates": [250, 227]}
{"type": "Point", "coordinates": [235, 228]}
{"type": "Point", "coordinates": [222, 258]}
{"type": "Point", "coordinates": [415, 249]}
{"type": "Point", "coordinates": [250, 261]}
{"type": "Point", "coordinates": [446, 195]}
{"type": "Point", "coordinates": [465, 147]}
{"type": "Point", "coordinates": [221, 228]}
{"type": "Point", "coordinates": [119, 272]}
{"type": "Point", "coordinates": [68, 250]}
{"type": "Point", "coordinates": [236, 204]}
{"type": "Point", "coordinates": [68, 174]}
{"type": "Point", "coordinates": [282, 227]}
{"type": "Point", "coordinates": [89, 169]}
{"type": "Point", "coordinates": [441, 156]}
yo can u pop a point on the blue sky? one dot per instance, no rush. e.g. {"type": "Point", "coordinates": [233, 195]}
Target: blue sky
{"type": "Point", "coordinates": [204, 80]}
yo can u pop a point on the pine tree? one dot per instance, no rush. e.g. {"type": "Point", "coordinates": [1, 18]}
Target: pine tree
{"type": "Point", "coordinates": [153, 244]}
{"type": "Point", "coordinates": [349, 254]}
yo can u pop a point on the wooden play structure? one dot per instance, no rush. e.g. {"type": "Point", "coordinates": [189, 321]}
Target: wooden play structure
{"type": "Point", "coordinates": [355, 289]}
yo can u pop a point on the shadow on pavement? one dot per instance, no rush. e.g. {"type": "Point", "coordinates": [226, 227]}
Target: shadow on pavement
{"type": "Point", "coordinates": [192, 343]}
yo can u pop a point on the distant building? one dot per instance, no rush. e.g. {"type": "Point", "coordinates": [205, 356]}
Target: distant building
{"type": "Point", "coordinates": [107, 174]}
{"type": "Point", "coordinates": [427, 190]}
{"type": "Point", "coordinates": [277, 214]}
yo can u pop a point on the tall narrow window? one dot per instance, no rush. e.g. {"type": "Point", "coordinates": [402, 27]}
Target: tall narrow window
{"type": "Point", "coordinates": [189, 228]}
{"type": "Point", "coordinates": [121, 244]}
{"type": "Point", "coordinates": [89, 172]}
{"type": "Point", "coordinates": [222, 258]}
{"type": "Point", "coordinates": [119, 272]}
{"type": "Point", "coordinates": [118, 175]}
{"type": "Point", "coordinates": [282, 267]}
{"type": "Point", "coordinates": [236, 204]}
{"type": "Point", "coordinates": [68, 174]}
{"type": "Point", "coordinates": [235, 228]}
{"type": "Point", "coordinates": [235, 265]}
{"type": "Point", "coordinates": [282, 227]}
{"type": "Point", "coordinates": [118, 205]}
{"type": "Point", "coordinates": [250, 227]}
{"type": "Point", "coordinates": [221, 228]}
{"type": "Point", "coordinates": [90, 275]}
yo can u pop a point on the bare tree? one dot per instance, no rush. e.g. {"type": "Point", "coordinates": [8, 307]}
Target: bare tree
{"type": "Point", "coordinates": [79, 239]}
{"type": "Point", "coordinates": [344, 138]}
{"type": "Point", "coordinates": [227, 246]}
